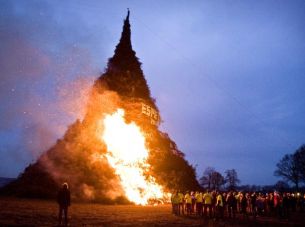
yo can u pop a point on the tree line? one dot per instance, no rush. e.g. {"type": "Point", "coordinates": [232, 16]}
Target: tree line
{"type": "Point", "coordinates": [213, 180]}
{"type": "Point", "coordinates": [292, 167]}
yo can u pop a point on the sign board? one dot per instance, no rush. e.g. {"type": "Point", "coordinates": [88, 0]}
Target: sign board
{"type": "Point", "coordinates": [152, 113]}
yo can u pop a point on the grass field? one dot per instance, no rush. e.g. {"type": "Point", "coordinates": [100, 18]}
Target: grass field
{"type": "Point", "coordinates": [26, 212]}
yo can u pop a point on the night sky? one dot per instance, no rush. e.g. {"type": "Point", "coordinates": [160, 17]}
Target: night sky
{"type": "Point", "coordinates": [228, 76]}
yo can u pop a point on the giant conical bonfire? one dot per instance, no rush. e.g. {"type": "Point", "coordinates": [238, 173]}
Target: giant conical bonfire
{"type": "Point", "coordinates": [116, 153]}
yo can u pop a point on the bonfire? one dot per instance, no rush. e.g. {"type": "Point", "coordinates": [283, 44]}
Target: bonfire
{"type": "Point", "coordinates": [116, 153]}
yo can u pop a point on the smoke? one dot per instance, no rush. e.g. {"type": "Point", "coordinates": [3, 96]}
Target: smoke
{"type": "Point", "coordinates": [18, 77]}
{"type": "Point", "coordinates": [77, 157]}
{"type": "Point", "coordinates": [88, 192]}
{"type": "Point", "coordinates": [44, 78]}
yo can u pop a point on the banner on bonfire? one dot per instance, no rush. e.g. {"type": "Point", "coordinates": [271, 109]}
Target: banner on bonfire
{"type": "Point", "coordinates": [151, 113]}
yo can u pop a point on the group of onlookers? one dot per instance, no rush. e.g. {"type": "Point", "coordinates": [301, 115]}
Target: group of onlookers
{"type": "Point", "coordinates": [217, 204]}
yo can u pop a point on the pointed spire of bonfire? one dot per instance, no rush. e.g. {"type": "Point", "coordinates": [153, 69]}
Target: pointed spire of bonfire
{"type": "Point", "coordinates": [124, 56]}
{"type": "Point", "coordinates": [124, 74]}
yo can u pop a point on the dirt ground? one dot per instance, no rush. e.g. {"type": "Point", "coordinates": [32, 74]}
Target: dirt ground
{"type": "Point", "coordinates": [27, 212]}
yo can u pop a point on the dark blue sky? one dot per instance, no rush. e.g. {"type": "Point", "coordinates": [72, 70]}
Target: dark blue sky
{"type": "Point", "coordinates": [228, 76]}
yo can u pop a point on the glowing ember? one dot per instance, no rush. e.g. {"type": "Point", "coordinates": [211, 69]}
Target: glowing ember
{"type": "Point", "coordinates": [127, 154]}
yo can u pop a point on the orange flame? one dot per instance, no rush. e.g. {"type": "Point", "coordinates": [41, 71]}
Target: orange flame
{"type": "Point", "coordinates": [127, 154]}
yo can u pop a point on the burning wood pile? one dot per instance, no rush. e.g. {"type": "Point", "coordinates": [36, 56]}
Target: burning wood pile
{"type": "Point", "coordinates": [116, 154]}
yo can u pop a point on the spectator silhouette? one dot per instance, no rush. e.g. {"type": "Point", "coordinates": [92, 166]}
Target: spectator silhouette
{"type": "Point", "coordinates": [63, 199]}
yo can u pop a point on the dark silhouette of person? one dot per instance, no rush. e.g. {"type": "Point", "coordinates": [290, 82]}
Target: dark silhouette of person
{"type": "Point", "coordinates": [64, 201]}
{"type": "Point", "coordinates": [232, 204]}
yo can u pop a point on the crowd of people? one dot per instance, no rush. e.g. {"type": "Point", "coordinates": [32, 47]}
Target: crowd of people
{"type": "Point", "coordinates": [220, 205]}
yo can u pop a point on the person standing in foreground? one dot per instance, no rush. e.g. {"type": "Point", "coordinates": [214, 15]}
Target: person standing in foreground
{"type": "Point", "coordinates": [219, 206]}
{"type": "Point", "coordinates": [181, 203]}
{"type": "Point", "coordinates": [64, 201]}
{"type": "Point", "coordinates": [207, 198]}
{"type": "Point", "coordinates": [188, 201]}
